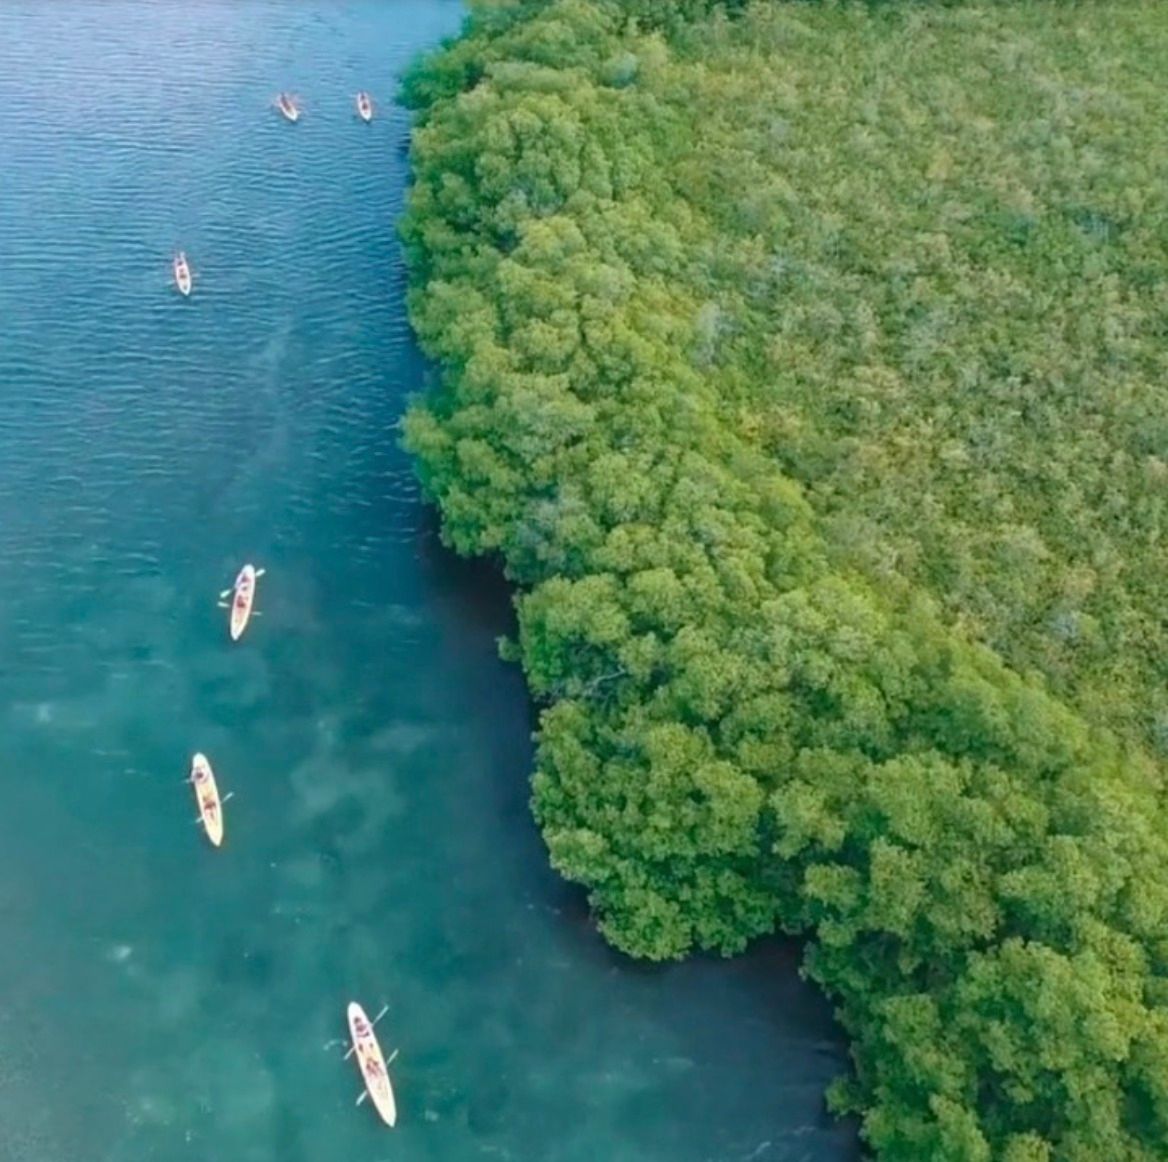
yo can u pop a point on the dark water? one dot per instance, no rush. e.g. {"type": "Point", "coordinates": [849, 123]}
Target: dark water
{"type": "Point", "coordinates": [160, 1000]}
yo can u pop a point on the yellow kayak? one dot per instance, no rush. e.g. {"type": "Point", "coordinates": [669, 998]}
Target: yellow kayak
{"type": "Point", "coordinates": [288, 107]}
{"type": "Point", "coordinates": [242, 600]}
{"type": "Point", "coordinates": [207, 796]}
{"type": "Point", "coordinates": [372, 1064]}
{"type": "Point", "coordinates": [182, 274]}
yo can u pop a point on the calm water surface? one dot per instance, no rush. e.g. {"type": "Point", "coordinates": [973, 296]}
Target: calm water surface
{"type": "Point", "coordinates": [164, 1001]}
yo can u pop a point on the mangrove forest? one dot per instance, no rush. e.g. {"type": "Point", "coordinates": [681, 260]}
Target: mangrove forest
{"type": "Point", "coordinates": [805, 368]}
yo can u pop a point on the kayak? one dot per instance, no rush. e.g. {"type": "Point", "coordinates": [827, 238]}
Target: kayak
{"type": "Point", "coordinates": [288, 107]}
{"type": "Point", "coordinates": [182, 274]}
{"type": "Point", "coordinates": [242, 599]}
{"type": "Point", "coordinates": [207, 796]}
{"type": "Point", "coordinates": [364, 107]}
{"type": "Point", "coordinates": [371, 1064]}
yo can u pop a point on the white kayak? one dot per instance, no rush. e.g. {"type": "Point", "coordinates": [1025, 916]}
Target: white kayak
{"type": "Point", "coordinates": [182, 274]}
{"type": "Point", "coordinates": [364, 106]}
{"type": "Point", "coordinates": [207, 796]}
{"type": "Point", "coordinates": [288, 107]}
{"type": "Point", "coordinates": [371, 1063]}
{"type": "Point", "coordinates": [242, 600]}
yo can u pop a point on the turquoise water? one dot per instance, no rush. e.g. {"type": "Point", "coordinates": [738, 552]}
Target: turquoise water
{"type": "Point", "coordinates": [161, 1000]}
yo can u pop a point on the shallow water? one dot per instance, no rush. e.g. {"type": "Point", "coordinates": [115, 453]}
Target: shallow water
{"type": "Point", "coordinates": [165, 1001]}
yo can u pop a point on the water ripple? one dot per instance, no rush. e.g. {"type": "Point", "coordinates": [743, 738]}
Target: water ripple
{"type": "Point", "coordinates": [378, 844]}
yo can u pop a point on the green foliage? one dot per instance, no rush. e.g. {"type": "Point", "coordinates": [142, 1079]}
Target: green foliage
{"type": "Point", "coordinates": [802, 370]}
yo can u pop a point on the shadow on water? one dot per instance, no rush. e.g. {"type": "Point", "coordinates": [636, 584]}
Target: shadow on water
{"type": "Point", "coordinates": [473, 588]}
{"type": "Point", "coordinates": [746, 1017]}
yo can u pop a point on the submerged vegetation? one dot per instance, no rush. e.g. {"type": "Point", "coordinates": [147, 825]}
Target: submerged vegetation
{"type": "Point", "coordinates": [807, 370]}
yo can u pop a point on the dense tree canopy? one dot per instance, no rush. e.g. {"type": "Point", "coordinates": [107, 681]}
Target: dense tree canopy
{"type": "Point", "coordinates": [803, 367]}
